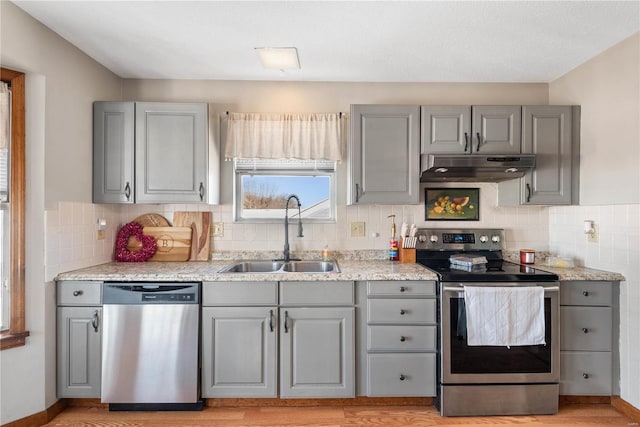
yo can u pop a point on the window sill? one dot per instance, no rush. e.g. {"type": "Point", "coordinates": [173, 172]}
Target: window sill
{"type": "Point", "coordinates": [11, 340]}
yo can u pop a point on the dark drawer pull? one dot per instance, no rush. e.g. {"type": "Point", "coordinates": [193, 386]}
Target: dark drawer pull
{"type": "Point", "coordinates": [402, 289]}
{"type": "Point", "coordinates": [585, 330]}
{"type": "Point", "coordinates": [402, 312]}
{"type": "Point", "coordinates": [585, 376]}
{"type": "Point", "coordinates": [77, 293]}
{"type": "Point", "coordinates": [585, 293]}
{"type": "Point", "coordinates": [402, 377]}
{"type": "Point", "coordinates": [403, 339]}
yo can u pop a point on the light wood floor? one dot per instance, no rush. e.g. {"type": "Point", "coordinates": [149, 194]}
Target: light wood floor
{"type": "Point", "coordinates": [336, 416]}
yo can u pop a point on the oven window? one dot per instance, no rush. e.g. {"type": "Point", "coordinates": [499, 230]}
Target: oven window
{"type": "Point", "coordinates": [496, 360]}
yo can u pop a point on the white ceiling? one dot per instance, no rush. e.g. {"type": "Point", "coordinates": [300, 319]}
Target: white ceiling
{"type": "Point", "coordinates": [381, 41]}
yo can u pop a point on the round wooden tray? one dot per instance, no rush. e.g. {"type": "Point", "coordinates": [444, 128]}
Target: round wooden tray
{"type": "Point", "coordinates": [152, 220]}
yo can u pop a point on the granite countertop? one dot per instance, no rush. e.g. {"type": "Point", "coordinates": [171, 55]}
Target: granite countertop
{"type": "Point", "coordinates": [351, 269]}
{"type": "Point", "coordinates": [208, 271]}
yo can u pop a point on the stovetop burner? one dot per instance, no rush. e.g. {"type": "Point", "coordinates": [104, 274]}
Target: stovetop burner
{"type": "Point", "coordinates": [435, 246]}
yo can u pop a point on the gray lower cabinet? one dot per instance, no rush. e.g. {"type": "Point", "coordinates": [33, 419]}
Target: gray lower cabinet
{"type": "Point", "coordinates": [240, 351]}
{"type": "Point", "coordinates": [384, 154]}
{"type": "Point", "coordinates": [79, 339]}
{"type": "Point", "coordinates": [478, 129]}
{"type": "Point", "coordinates": [151, 152]}
{"type": "Point", "coordinates": [588, 338]}
{"type": "Point", "coordinates": [317, 352]}
{"type": "Point", "coordinates": [269, 339]}
{"type": "Point", "coordinates": [551, 132]}
{"type": "Point", "coordinates": [400, 350]}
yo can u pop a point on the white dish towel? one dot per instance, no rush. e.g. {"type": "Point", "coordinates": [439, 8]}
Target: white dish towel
{"type": "Point", "coordinates": [504, 316]}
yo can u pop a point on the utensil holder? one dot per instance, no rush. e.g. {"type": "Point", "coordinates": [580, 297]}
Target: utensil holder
{"type": "Point", "coordinates": [407, 255]}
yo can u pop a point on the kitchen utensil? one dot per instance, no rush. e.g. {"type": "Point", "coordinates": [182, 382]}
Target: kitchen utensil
{"type": "Point", "coordinates": [174, 243]}
{"type": "Point", "coordinates": [200, 223]}
{"type": "Point", "coordinates": [152, 220]}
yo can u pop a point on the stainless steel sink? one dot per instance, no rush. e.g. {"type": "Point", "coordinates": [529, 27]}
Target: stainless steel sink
{"type": "Point", "coordinates": [282, 267]}
{"type": "Point", "coordinates": [311, 267]}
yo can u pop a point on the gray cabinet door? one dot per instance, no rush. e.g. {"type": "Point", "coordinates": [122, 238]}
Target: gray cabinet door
{"type": "Point", "coordinates": [239, 351]}
{"type": "Point", "coordinates": [384, 156]}
{"type": "Point", "coordinates": [317, 352]}
{"type": "Point", "coordinates": [171, 152]}
{"type": "Point", "coordinates": [445, 129]}
{"type": "Point", "coordinates": [113, 145]}
{"type": "Point", "coordinates": [496, 129]}
{"type": "Point", "coordinates": [547, 133]}
{"type": "Point", "coordinates": [79, 351]}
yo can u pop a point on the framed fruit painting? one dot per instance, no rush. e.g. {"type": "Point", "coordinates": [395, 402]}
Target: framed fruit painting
{"type": "Point", "coordinates": [452, 204]}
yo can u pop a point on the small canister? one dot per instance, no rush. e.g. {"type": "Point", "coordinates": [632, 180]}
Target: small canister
{"type": "Point", "coordinates": [527, 256]}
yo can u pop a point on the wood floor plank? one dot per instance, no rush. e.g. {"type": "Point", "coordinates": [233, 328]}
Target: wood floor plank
{"type": "Point", "coordinates": [569, 415]}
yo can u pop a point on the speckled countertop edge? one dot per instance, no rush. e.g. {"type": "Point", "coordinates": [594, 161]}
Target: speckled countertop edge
{"type": "Point", "coordinates": [354, 265]}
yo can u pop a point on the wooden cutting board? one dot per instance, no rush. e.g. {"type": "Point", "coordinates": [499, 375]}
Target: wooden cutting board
{"type": "Point", "coordinates": [174, 243]}
{"type": "Point", "coordinates": [200, 223]}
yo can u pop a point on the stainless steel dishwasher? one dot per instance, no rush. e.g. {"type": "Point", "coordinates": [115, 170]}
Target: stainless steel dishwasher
{"type": "Point", "coordinates": [150, 346]}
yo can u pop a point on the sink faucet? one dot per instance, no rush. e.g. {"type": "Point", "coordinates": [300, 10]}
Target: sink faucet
{"type": "Point", "coordinates": [287, 256]}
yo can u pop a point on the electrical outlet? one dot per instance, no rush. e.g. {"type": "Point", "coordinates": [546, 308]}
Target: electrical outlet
{"type": "Point", "coordinates": [218, 229]}
{"type": "Point", "coordinates": [357, 229]}
{"type": "Point", "coordinates": [593, 237]}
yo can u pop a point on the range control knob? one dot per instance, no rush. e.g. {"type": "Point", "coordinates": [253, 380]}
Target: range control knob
{"type": "Point", "coordinates": [484, 239]}
{"type": "Point", "coordinates": [495, 238]}
{"type": "Point", "coordinates": [433, 238]}
{"type": "Point", "coordinates": [422, 238]}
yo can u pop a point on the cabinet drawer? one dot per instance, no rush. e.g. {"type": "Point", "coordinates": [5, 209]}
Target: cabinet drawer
{"type": "Point", "coordinates": [586, 328]}
{"type": "Point", "coordinates": [399, 288]}
{"type": "Point", "coordinates": [239, 293]}
{"type": "Point", "coordinates": [401, 311]}
{"type": "Point", "coordinates": [401, 338]}
{"type": "Point", "coordinates": [401, 375]}
{"type": "Point", "coordinates": [316, 293]}
{"type": "Point", "coordinates": [585, 373]}
{"type": "Point", "coordinates": [586, 293]}
{"type": "Point", "coordinates": [71, 292]}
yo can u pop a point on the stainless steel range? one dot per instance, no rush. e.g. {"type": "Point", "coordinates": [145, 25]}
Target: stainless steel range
{"type": "Point", "coordinates": [489, 379]}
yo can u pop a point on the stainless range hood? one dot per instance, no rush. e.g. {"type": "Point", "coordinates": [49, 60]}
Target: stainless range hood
{"type": "Point", "coordinates": [475, 167]}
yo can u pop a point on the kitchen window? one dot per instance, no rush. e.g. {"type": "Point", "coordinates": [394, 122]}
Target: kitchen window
{"type": "Point", "coordinates": [12, 208]}
{"type": "Point", "coordinates": [261, 187]}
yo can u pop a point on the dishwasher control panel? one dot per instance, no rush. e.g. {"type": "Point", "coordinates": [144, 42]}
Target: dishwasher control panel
{"type": "Point", "coordinates": [168, 297]}
{"type": "Point", "coordinates": [150, 293]}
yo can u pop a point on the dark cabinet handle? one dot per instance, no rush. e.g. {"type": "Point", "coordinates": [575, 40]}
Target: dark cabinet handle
{"type": "Point", "coordinates": [271, 320]}
{"type": "Point", "coordinates": [466, 142]}
{"type": "Point", "coordinates": [286, 320]}
{"type": "Point", "coordinates": [585, 376]}
{"type": "Point", "coordinates": [402, 289]}
{"type": "Point", "coordinates": [528, 193]}
{"type": "Point", "coordinates": [402, 377]}
{"type": "Point", "coordinates": [478, 147]}
{"type": "Point", "coordinates": [95, 322]}
{"type": "Point", "coordinates": [403, 339]}
{"type": "Point", "coordinates": [357, 192]}
{"type": "Point", "coordinates": [201, 192]}
{"type": "Point", "coordinates": [585, 293]}
{"type": "Point", "coordinates": [402, 312]}
{"type": "Point", "coordinates": [585, 330]}
{"type": "Point", "coordinates": [127, 191]}
{"type": "Point", "coordinates": [77, 293]}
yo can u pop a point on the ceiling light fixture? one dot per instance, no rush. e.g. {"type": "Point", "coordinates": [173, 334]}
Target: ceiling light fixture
{"type": "Point", "coordinates": [279, 58]}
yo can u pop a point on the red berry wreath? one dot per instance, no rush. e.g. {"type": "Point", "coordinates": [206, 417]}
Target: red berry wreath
{"type": "Point", "coordinates": [134, 229]}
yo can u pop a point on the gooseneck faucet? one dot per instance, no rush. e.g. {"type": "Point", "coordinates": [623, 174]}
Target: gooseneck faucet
{"type": "Point", "coordinates": [287, 256]}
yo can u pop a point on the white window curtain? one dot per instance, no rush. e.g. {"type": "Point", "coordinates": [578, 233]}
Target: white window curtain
{"type": "Point", "coordinates": [5, 129]}
{"type": "Point", "coordinates": [303, 136]}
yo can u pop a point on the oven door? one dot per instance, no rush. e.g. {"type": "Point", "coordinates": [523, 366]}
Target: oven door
{"type": "Point", "coordinates": [463, 364]}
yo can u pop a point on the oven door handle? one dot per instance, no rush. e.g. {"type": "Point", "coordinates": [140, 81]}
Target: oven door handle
{"type": "Point", "coordinates": [461, 289]}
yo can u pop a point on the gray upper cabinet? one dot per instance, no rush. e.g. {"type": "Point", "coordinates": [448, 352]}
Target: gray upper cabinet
{"type": "Point", "coordinates": [552, 134]}
{"type": "Point", "coordinates": [113, 145]}
{"type": "Point", "coordinates": [151, 152]}
{"type": "Point", "coordinates": [479, 129]}
{"type": "Point", "coordinates": [384, 156]}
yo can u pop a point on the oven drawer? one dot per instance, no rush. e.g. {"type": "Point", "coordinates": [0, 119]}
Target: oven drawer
{"type": "Point", "coordinates": [401, 338]}
{"type": "Point", "coordinates": [586, 293]}
{"type": "Point", "coordinates": [585, 328]}
{"type": "Point", "coordinates": [585, 373]}
{"type": "Point", "coordinates": [399, 288]}
{"type": "Point", "coordinates": [401, 311]}
{"type": "Point", "coordinates": [401, 375]}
